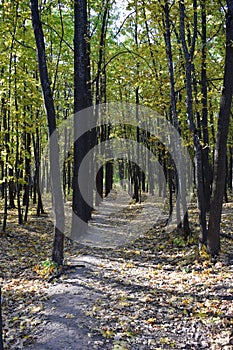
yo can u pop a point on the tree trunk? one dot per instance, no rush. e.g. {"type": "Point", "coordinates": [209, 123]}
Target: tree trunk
{"type": "Point", "coordinates": [181, 198]}
{"type": "Point", "coordinates": [100, 134]}
{"type": "Point", "coordinates": [99, 185]}
{"type": "Point", "coordinates": [100, 88]}
{"type": "Point", "coordinates": [108, 167]}
{"type": "Point", "coordinates": [188, 56]}
{"type": "Point", "coordinates": [205, 149]}
{"type": "Point", "coordinates": [213, 238]}
{"type": "Point", "coordinates": [5, 167]}
{"type": "Point", "coordinates": [82, 100]}
{"type": "Point", "coordinates": [230, 169]}
{"type": "Point", "coordinates": [12, 189]}
{"type": "Point", "coordinates": [37, 189]}
{"type": "Point", "coordinates": [53, 137]}
{"type": "Point", "coordinates": [27, 173]}
{"type": "Point", "coordinates": [108, 177]}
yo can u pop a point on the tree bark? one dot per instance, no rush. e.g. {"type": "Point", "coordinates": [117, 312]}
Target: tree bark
{"type": "Point", "coordinates": [99, 90]}
{"type": "Point", "coordinates": [82, 100]}
{"type": "Point", "coordinates": [27, 173]}
{"type": "Point", "coordinates": [188, 57]}
{"type": "Point", "coordinates": [205, 149]}
{"type": "Point", "coordinates": [58, 244]}
{"type": "Point", "coordinates": [213, 238]}
{"type": "Point", "coordinates": [181, 181]}
{"type": "Point", "coordinates": [108, 177]}
{"type": "Point", "coordinates": [108, 166]}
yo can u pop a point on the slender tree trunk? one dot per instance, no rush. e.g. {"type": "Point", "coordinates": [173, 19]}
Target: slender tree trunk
{"type": "Point", "coordinates": [170, 185]}
{"type": "Point", "coordinates": [99, 91]}
{"type": "Point", "coordinates": [108, 177]}
{"type": "Point", "coordinates": [5, 167]}
{"type": "Point", "coordinates": [27, 174]}
{"type": "Point", "coordinates": [37, 189]}
{"type": "Point", "coordinates": [58, 243]}
{"type": "Point", "coordinates": [100, 174]}
{"type": "Point", "coordinates": [205, 149]}
{"type": "Point", "coordinates": [17, 160]}
{"type": "Point", "coordinates": [12, 189]}
{"type": "Point", "coordinates": [181, 181]}
{"type": "Point", "coordinates": [136, 169]}
{"type": "Point", "coordinates": [99, 185]}
{"type": "Point", "coordinates": [188, 56]}
{"type": "Point", "coordinates": [108, 167]}
{"type": "Point", "coordinates": [213, 239]}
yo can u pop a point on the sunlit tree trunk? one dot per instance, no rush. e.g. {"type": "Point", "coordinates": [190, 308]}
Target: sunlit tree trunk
{"type": "Point", "coordinates": [53, 137]}
{"type": "Point", "coordinates": [188, 57]}
{"type": "Point", "coordinates": [181, 181]}
{"type": "Point", "coordinates": [213, 240]}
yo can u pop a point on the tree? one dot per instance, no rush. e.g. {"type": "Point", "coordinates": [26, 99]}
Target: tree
{"type": "Point", "coordinates": [188, 58]}
{"type": "Point", "coordinates": [53, 136]}
{"type": "Point", "coordinates": [82, 100]}
{"type": "Point", "coordinates": [205, 149]}
{"type": "Point", "coordinates": [174, 118]}
{"type": "Point", "coordinates": [145, 59]}
{"type": "Point", "coordinates": [213, 238]}
{"type": "Point", "coordinates": [100, 89]}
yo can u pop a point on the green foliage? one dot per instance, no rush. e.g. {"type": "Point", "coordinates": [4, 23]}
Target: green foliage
{"type": "Point", "coordinates": [178, 242]}
{"type": "Point", "coordinates": [45, 268]}
{"type": "Point", "coordinates": [49, 264]}
{"type": "Point", "coordinates": [134, 58]}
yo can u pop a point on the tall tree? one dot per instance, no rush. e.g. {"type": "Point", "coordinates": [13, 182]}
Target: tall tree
{"type": "Point", "coordinates": [205, 149]}
{"type": "Point", "coordinates": [82, 100]}
{"type": "Point", "coordinates": [188, 58]}
{"type": "Point", "coordinates": [174, 114]}
{"type": "Point", "coordinates": [213, 238]}
{"type": "Point", "coordinates": [100, 83]}
{"type": "Point", "coordinates": [53, 136]}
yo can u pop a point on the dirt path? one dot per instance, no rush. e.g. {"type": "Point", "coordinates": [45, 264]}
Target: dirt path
{"type": "Point", "coordinates": [126, 301]}
{"type": "Point", "coordinates": [67, 320]}
{"type": "Point", "coordinates": [154, 293]}
{"type": "Point", "coordinates": [66, 324]}
{"type": "Point", "coordinates": [118, 220]}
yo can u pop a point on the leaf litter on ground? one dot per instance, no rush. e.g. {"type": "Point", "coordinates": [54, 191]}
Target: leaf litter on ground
{"type": "Point", "coordinates": [157, 293]}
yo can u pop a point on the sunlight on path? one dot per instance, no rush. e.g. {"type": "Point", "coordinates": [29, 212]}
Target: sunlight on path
{"type": "Point", "coordinates": [119, 220]}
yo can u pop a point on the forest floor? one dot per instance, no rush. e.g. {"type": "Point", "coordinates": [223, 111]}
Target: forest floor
{"type": "Point", "coordinates": [155, 293]}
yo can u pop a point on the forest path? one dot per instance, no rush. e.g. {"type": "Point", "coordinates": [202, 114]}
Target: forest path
{"type": "Point", "coordinates": [67, 324]}
{"type": "Point", "coordinates": [154, 293]}
{"type": "Point", "coordinates": [138, 301]}
{"type": "Point", "coordinates": [119, 220]}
